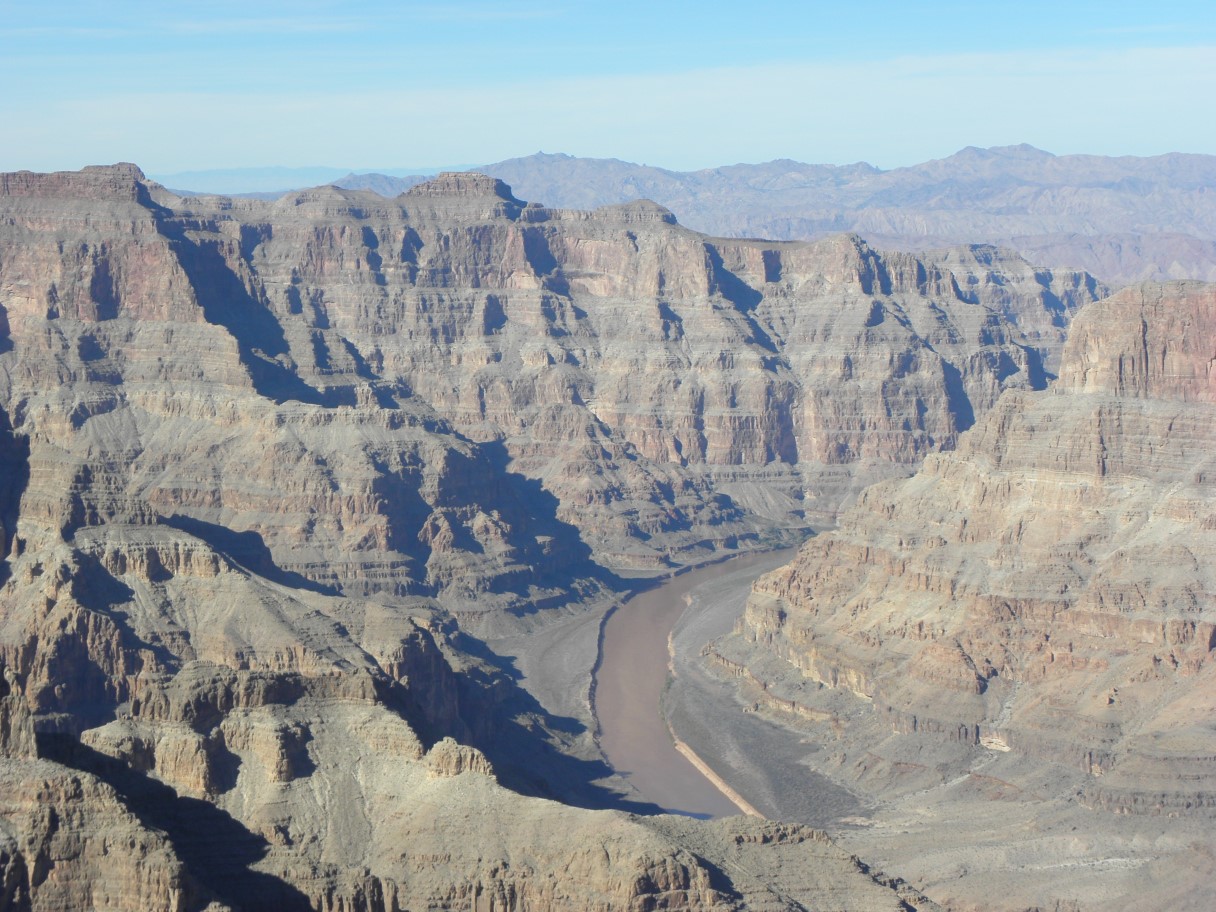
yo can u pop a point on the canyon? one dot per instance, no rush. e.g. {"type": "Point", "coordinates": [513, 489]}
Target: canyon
{"type": "Point", "coordinates": [291, 491]}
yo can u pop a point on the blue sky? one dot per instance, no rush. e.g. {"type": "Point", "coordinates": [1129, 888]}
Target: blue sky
{"type": "Point", "coordinates": [683, 85]}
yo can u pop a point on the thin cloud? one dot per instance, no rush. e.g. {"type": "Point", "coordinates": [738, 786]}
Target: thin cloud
{"type": "Point", "coordinates": [275, 26]}
{"type": "Point", "coordinates": [890, 113]}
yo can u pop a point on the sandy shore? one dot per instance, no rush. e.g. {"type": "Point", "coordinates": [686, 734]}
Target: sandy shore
{"type": "Point", "coordinates": [768, 765]}
{"type": "Point", "coordinates": [675, 734]}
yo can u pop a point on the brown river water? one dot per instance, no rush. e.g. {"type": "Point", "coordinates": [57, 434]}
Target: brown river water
{"type": "Point", "coordinates": [630, 681]}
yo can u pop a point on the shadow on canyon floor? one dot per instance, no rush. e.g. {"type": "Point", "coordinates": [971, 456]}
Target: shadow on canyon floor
{"type": "Point", "coordinates": [565, 558]}
{"type": "Point", "coordinates": [531, 750]}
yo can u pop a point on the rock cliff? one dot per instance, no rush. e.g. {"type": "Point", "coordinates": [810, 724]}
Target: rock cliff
{"type": "Point", "coordinates": [1039, 605]}
{"type": "Point", "coordinates": [640, 371]}
{"type": "Point", "coordinates": [664, 393]}
{"type": "Point", "coordinates": [263, 466]}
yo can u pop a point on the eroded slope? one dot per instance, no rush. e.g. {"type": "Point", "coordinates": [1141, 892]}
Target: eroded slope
{"type": "Point", "coordinates": [1033, 617]}
{"type": "Point", "coordinates": [242, 549]}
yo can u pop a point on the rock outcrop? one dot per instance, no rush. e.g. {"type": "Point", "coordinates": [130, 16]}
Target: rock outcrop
{"type": "Point", "coordinates": [1039, 604]}
{"type": "Point", "coordinates": [264, 466]}
{"type": "Point", "coordinates": [666, 393]}
{"type": "Point", "coordinates": [228, 791]}
{"type": "Point", "coordinates": [638, 370]}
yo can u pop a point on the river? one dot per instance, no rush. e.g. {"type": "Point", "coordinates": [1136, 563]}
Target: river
{"type": "Point", "coordinates": [633, 674]}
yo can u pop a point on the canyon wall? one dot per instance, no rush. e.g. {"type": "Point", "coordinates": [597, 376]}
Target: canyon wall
{"type": "Point", "coordinates": [674, 393]}
{"type": "Point", "coordinates": [663, 393]}
{"type": "Point", "coordinates": [267, 465]}
{"type": "Point", "coordinates": [1039, 604]}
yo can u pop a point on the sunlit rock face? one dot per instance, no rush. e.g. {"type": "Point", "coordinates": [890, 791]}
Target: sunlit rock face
{"type": "Point", "coordinates": [252, 503]}
{"type": "Point", "coordinates": [663, 392]}
{"type": "Point", "coordinates": [1045, 592]}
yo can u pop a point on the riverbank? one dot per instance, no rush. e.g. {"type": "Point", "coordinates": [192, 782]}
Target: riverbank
{"type": "Point", "coordinates": [689, 754]}
{"type": "Point", "coordinates": [676, 737]}
{"type": "Point", "coordinates": [767, 764]}
{"type": "Point", "coordinates": [629, 681]}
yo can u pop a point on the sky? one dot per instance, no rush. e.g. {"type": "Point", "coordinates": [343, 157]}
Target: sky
{"type": "Point", "coordinates": [682, 85]}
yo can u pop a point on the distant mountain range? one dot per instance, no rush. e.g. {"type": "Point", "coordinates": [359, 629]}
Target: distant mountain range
{"type": "Point", "coordinates": [1123, 219]}
{"type": "Point", "coordinates": [271, 182]}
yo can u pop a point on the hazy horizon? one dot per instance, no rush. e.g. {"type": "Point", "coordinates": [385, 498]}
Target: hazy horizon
{"type": "Point", "coordinates": [679, 86]}
{"type": "Point", "coordinates": [275, 178]}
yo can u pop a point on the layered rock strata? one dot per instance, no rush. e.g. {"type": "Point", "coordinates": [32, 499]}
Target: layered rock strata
{"type": "Point", "coordinates": [147, 383]}
{"type": "Point", "coordinates": [669, 393]}
{"type": "Point", "coordinates": [640, 371]}
{"type": "Point", "coordinates": [1039, 604]}
{"type": "Point", "coordinates": [358, 816]}
{"type": "Point", "coordinates": [249, 515]}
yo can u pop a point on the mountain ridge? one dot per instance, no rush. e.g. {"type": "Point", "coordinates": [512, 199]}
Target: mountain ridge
{"type": "Point", "coordinates": [1125, 219]}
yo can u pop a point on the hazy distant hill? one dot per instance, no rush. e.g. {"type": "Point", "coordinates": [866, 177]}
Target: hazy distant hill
{"type": "Point", "coordinates": [384, 184]}
{"type": "Point", "coordinates": [234, 181]}
{"type": "Point", "coordinates": [273, 182]}
{"type": "Point", "coordinates": [1123, 219]}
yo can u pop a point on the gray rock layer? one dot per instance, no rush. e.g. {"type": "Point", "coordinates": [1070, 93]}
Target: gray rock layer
{"type": "Point", "coordinates": [1039, 604]}
{"type": "Point", "coordinates": [264, 466]}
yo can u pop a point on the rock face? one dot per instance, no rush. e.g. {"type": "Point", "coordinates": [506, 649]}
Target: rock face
{"type": "Point", "coordinates": [664, 393]}
{"type": "Point", "coordinates": [263, 466]}
{"type": "Point", "coordinates": [639, 371]}
{"type": "Point", "coordinates": [360, 819]}
{"type": "Point", "coordinates": [1039, 604]}
{"type": "Point", "coordinates": [152, 385]}
{"type": "Point", "coordinates": [68, 840]}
